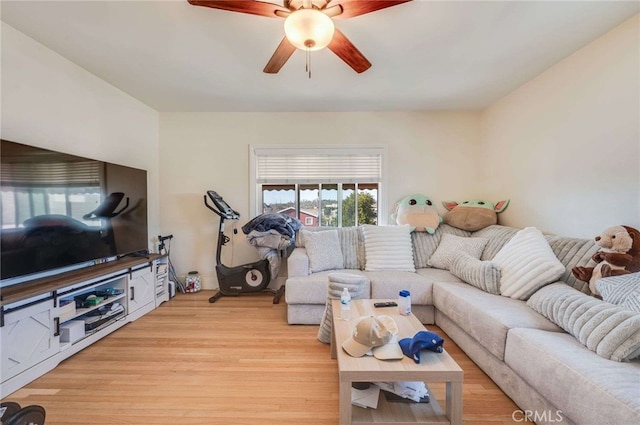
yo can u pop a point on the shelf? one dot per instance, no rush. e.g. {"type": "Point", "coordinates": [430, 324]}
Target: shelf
{"type": "Point", "coordinates": [393, 412]}
{"type": "Point", "coordinates": [112, 319]}
{"type": "Point", "coordinates": [83, 311]}
{"type": "Point", "coordinates": [115, 318]}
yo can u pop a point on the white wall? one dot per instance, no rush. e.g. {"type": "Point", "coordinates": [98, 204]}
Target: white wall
{"type": "Point", "coordinates": [430, 153]}
{"type": "Point", "coordinates": [52, 103]}
{"type": "Point", "coordinates": [565, 147]}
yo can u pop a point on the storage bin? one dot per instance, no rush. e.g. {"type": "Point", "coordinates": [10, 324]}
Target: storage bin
{"type": "Point", "coordinates": [71, 331]}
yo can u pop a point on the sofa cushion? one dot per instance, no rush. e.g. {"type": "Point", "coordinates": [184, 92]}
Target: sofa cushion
{"type": "Point", "coordinates": [591, 390]}
{"type": "Point", "coordinates": [312, 289]}
{"type": "Point", "coordinates": [611, 331]}
{"type": "Point", "coordinates": [623, 291]}
{"type": "Point", "coordinates": [498, 236]}
{"type": "Point", "coordinates": [483, 275]}
{"type": "Point", "coordinates": [526, 263]}
{"type": "Point", "coordinates": [388, 248]}
{"type": "Point", "coordinates": [425, 244]}
{"type": "Point", "coordinates": [438, 275]}
{"type": "Point", "coordinates": [452, 244]}
{"type": "Point", "coordinates": [486, 317]}
{"type": "Point", "coordinates": [323, 249]}
{"type": "Point", "coordinates": [387, 284]}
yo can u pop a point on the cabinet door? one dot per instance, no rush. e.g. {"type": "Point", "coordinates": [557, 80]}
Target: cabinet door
{"type": "Point", "coordinates": [141, 289]}
{"type": "Point", "coordinates": [29, 335]}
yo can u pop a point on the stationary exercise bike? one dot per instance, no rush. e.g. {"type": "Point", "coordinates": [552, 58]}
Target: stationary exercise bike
{"type": "Point", "coordinates": [247, 278]}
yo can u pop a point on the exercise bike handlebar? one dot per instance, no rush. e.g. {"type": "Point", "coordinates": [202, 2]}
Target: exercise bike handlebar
{"type": "Point", "coordinates": [221, 207]}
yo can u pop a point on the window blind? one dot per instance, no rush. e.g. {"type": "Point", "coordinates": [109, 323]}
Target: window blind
{"type": "Point", "coordinates": [281, 166]}
{"type": "Point", "coordinates": [80, 173]}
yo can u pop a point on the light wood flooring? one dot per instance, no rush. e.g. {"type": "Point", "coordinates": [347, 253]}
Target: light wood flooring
{"type": "Point", "coordinates": [235, 362]}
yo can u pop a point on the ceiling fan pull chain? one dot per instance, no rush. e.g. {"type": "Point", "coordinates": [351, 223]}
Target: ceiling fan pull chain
{"type": "Point", "coordinates": [308, 67]}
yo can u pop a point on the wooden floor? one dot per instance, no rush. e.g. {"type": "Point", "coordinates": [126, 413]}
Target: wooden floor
{"type": "Point", "coordinates": [235, 362]}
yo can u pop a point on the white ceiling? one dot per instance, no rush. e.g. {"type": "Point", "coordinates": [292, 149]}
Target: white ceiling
{"type": "Point", "coordinates": [426, 55]}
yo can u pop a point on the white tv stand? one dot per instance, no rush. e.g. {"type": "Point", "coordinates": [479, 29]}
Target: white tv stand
{"type": "Point", "coordinates": [34, 315]}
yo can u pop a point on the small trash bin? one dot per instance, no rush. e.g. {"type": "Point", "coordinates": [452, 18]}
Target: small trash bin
{"type": "Point", "coordinates": [193, 282]}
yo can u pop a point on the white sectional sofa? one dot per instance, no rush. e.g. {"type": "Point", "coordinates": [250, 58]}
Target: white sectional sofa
{"type": "Point", "coordinates": [549, 373]}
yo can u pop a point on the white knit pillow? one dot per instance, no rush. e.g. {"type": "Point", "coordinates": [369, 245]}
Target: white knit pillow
{"type": "Point", "coordinates": [526, 264]}
{"type": "Point", "coordinates": [450, 245]}
{"type": "Point", "coordinates": [323, 250]}
{"type": "Point", "coordinates": [388, 248]}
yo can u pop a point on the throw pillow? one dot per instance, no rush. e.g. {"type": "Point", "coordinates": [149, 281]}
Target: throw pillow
{"type": "Point", "coordinates": [451, 245]}
{"type": "Point", "coordinates": [623, 291]}
{"type": "Point", "coordinates": [388, 248]}
{"type": "Point", "coordinates": [323, 250]}
{"type": "Point", "coordinates": [482, 274]}
{"type": "Point", "coordinates": [526, 264]}
{"type": "Point", "coordinates": [608, 330]}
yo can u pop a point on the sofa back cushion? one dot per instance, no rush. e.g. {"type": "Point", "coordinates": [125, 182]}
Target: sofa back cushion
{"type": "Point", "coordinates": [352, 244]}
{"type": "Point", "coordinates": [498, 236]}
{"type": "Point", "coordinates": [574, 252]}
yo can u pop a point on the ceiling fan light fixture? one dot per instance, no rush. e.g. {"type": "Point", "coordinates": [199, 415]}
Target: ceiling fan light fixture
{"type": "Point", "coordinates": [309, 29]}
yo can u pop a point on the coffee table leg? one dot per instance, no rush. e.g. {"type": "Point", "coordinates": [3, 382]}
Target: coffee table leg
{"type": "Point", "coordinates": [454, 402]}
{"type": "Point", "coordinates": [345, 402]}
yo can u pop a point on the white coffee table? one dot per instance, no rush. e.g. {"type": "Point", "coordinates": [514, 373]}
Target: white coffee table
{"type": "Point", "coordinates": [433, 367]}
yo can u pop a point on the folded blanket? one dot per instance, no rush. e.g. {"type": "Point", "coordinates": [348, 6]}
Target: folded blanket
{"type": "Point", "coordinates": [282, 223]}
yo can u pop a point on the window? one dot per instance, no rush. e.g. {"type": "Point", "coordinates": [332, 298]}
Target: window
{"type": "Point", "coordinates": [321, 186]}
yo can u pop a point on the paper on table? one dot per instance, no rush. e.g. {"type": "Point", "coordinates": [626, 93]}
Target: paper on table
{"type": "Point", "coordinates": [411, 390]}
{"type": "Point", "coordinates": [366, 398]}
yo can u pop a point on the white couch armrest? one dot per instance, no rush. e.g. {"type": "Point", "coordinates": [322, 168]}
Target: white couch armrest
{"type": "Point", "coordinates": [298, 263]}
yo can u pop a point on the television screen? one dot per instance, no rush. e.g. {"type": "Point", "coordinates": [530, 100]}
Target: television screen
{"type": "Point", "coordinates": [62, 211]}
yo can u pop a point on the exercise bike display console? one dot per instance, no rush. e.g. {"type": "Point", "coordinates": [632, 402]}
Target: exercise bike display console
{"type": "Point", "coordinates": [246, 278]}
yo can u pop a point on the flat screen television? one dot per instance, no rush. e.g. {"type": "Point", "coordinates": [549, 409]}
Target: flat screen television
{"type": "Point", "coordinates": [61, 212]}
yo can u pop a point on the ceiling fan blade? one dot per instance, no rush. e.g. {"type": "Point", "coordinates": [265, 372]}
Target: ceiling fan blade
{"type": "Point", "coordinates": [351, 8]}
{"type": "Point", "coordinates": [251, 7]}
{"type": "Point", "coordinates": [280, 57]}
{"type": "Point", "coordinates": [341, 46]}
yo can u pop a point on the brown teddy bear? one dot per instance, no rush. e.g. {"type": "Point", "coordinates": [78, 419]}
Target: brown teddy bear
{"type": "Point", "coordinates": [619, 254]}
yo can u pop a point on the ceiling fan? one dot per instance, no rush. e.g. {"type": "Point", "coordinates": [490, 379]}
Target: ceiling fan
{"type": "Point", "coordinates": [308, 25]}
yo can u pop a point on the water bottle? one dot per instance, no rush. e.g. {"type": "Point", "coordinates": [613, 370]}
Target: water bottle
{"type": "Point", "coordinates": [345, 305]}
{"type": "Point", "coordinates": [404, 302]}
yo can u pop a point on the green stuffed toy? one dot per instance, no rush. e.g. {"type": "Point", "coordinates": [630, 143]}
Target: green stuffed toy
{"type": "Point", "coordinates": [473, 215]}
{"type": "Point", "coordinates": [417, 211]}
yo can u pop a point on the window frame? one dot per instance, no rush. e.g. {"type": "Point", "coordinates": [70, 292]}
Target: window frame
{"type": "Point", "coordinates": [255, 194]}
